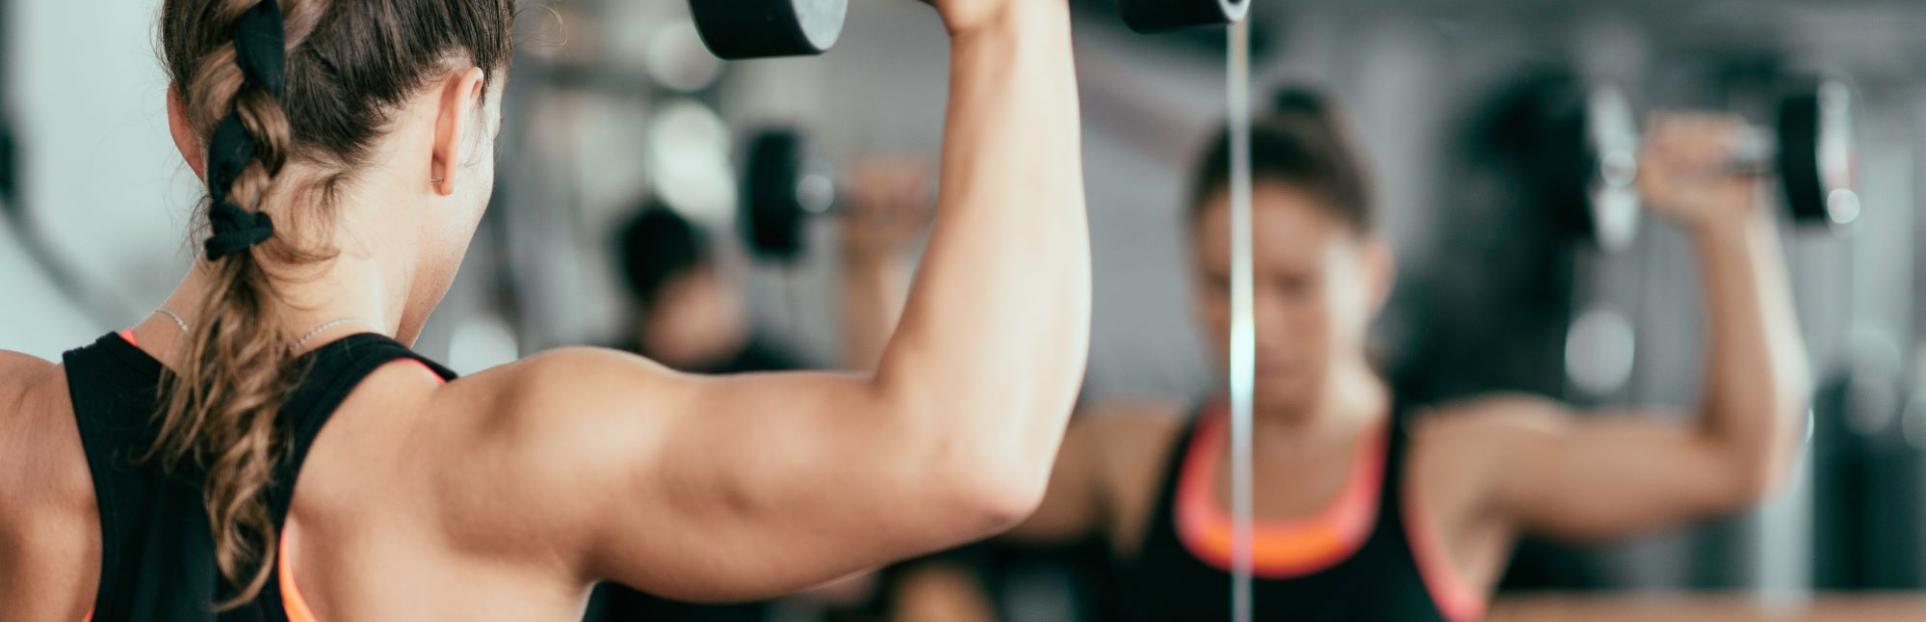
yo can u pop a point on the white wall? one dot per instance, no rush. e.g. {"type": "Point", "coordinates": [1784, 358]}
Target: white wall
{"type": "Point", "coordinates": [100, 174]}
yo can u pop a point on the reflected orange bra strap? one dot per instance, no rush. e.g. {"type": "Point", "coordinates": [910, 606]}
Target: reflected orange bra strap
{"type": "Point", "coordinates": [1456, 599]}
{"type": "Point", "coordinates": [1280, 549]}
{"type": "Point", "coordinates": [1293, 548]}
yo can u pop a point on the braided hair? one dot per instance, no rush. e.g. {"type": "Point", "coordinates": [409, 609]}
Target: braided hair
{"type": "Point", "coordinates": [266, 84]}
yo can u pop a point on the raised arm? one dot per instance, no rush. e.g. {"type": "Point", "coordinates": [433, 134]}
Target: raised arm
{"type": "Point", "coordinates": [1602, 476]}
{"type": "Point", "coordinates": [736, 487]}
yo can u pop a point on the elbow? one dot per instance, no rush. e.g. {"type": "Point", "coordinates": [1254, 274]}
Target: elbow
{"type": "Point", "coordinates": [1760, 453]}
{"type": "Point", "coordinates": [994, 505]}
{"type": "Point", "coordinates": [984, 489]}
{"type": "Point", "coordinates": [1758, 475]}
{"type": "Point", "coordinates": [1007, 503]}
{"type": "Point", "coordinates": [1756, 484]}
{"type": "Point", "coordinates": [1792, 402]}
{"type": "Point", "coordinates": [979, 480]}
{"type": "Point", "coordinates": [993, 496]}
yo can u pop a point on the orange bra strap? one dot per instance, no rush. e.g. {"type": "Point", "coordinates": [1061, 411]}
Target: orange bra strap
{"type": "Point", "coordinates": [291, 600]}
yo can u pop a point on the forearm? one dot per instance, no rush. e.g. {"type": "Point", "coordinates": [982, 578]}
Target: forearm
{"type": "Point", "coordinates": [993, 339]}
{"type": "Point", "coordinates": [1756, 380]}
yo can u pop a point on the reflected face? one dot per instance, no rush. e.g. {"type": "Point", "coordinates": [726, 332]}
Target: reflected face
{"type": "Point", "coordinates": [1318, 285]}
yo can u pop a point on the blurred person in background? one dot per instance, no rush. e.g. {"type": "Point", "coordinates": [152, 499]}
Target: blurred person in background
{"type": "Point", "coordinates": [1371, 508]}
{"type": "Point", "coordinates": [348, 149]}
{"type": "Point", "coordinates": [689, 305]}
{"type": "Point", "coordinates": [691, 313]}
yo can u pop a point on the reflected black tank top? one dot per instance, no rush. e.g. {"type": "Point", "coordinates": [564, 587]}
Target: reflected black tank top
{"type": "Point", "coordinates": [1379, 581]}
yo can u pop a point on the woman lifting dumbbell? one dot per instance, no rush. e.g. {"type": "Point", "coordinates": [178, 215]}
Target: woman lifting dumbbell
{"type": "Point", "coordinates": [348, 152]}
{"type": "Point", "coordinates": [1365, 513]}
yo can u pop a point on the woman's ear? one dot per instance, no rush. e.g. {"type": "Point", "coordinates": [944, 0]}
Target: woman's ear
{"type": "Point", "coordinates": [456, 127]}
{"type": "Point", "coordinates": [185, 139]}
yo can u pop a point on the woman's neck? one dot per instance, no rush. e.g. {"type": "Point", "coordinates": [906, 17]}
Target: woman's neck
{"type": "Point", "coordinates": [351, 292]}
{"type": "Point", "coordinates": [1352, 401]}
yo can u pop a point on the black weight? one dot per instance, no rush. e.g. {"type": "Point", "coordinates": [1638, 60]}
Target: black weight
{"type": "Point", "coordinates": [743, 29]}
{"type": "Point", "coordinates": [1154, 16]}
{"type": "Point", "coordinates": [772, 211]}
{"type": "Point", "coordinates": [1798, 157]}
{"type": "Point", "coordinates": [1538, 130]}
{"type": "Point", "coordinates": [1808, 148]}
{"type": "Point", "coordinates": [1814, 158]}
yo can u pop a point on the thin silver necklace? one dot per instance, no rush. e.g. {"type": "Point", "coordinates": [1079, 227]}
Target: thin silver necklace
{"type": "Point", "coordinates": [317, 330]}
{"type": "Point", "coordinates": [298, 344]}
{"type": "Point", "coordinates": [176, 317]}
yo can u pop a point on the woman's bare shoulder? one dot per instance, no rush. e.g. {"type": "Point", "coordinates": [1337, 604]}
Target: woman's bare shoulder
{"type": "Point", "coordinates": [48, 522]}
{"type": "Point", "coordinates": [40, 454]}
{"type": "Point", "coordinates": [18, 373]}
{"type": "Point", "coordinates": [32, 391]}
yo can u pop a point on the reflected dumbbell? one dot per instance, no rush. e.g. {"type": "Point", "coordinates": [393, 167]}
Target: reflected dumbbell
{"type": "Point", "coordinates": [743, 29]}
{"type": "Point", "coordinates": [882, 203]}
{"type": "Point", "coordinates": [1154, 16]}
{"type": "Point", "coordinates": [1808, 148]}
{"type": "Point", "coordinates": [1815, 154]}
{"type": "Point", "coordinates": [784, 185]}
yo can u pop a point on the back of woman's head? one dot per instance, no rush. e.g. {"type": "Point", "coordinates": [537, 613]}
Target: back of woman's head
{"type": "Point", "coordinates": [1302, 142]}
{"type": "Point", "coordinates": [322, 103]}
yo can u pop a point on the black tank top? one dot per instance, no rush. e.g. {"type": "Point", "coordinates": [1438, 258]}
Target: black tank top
{"type": "Point", "coordinates": [157, 551]}
{"type": "Point", "coordinates": [1379, 581]}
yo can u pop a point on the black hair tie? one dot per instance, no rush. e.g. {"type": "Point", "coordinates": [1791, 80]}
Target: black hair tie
{"type": "Point", "coordinates": [235, 230]}
{"type": "Point", "coordinates": [260, 49]}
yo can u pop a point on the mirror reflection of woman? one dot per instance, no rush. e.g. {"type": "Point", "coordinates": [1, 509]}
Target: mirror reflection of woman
{"type": "Point", "coordinates": [1366, 513]}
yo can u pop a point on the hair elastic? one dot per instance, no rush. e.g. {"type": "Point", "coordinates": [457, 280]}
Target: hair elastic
{"type": "Point", "coordinates": [260, 49]}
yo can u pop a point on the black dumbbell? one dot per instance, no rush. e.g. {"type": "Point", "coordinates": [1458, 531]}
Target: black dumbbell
{"type": "Point", "coordinates": [1154, 16]}
{"type": "Point", "coordinates": [1815, 153]}
{"type": "Point", "coordinates": [741, 29]}
{"type": "Point", "coordinates": [1809, 148]}
{"type": "Point", "coordinates": [784, 184]}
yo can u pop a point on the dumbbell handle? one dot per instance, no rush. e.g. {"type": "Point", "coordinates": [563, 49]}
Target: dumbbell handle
{"type": "Point", "coordinates": [1755, 152]}
{"type": "Point", "coordinates": [819, 194]}
{"type": "Point", "coordinates": [816, 193]}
